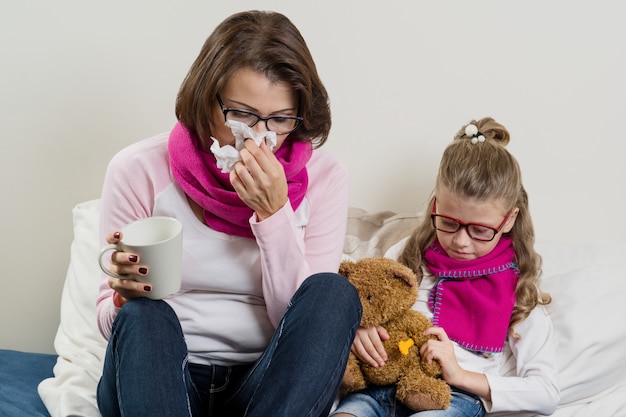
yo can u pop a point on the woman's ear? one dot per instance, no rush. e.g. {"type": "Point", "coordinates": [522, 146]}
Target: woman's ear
{"type": "Point", "coordinates": [510, 221]}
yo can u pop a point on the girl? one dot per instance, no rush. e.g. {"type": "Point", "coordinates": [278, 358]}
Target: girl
{"type": "Point", "coordinates": [479, 275]}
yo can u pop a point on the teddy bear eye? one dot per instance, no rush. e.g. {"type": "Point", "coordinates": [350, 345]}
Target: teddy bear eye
{"type": "Point", "coordinates": [369, 298]}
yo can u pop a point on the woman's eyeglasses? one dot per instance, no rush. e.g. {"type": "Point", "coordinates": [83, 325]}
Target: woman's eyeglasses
{"type": "Point", "coordinates": [282, 125]}
{"type": "Point", "coordinates": [476, 231]}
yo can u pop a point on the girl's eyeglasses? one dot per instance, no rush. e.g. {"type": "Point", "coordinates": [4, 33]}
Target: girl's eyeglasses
{"type": "Point", "coordinates": [476, 231]}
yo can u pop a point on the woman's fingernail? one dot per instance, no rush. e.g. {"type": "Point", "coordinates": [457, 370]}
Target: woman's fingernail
{"type": "Point", "coordinates": [147, 288]}
{"type": "Point", "coordinates": [116, 235]}
{"type": "Point", "coordinates": [143, 271]}
{"type": "Point", "coordinates": [132, 258]}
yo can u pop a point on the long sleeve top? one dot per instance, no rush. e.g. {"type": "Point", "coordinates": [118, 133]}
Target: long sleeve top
{"type": "Point", "coordinates": [234, 289]}
{"type": "Point", "coordinates": [523, 378]}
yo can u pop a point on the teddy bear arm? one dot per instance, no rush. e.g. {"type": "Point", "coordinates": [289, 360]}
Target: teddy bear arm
{"type": "Point", "coordinates": [432, 369]}
{"type": "Point", "coordinates": [418, 323]}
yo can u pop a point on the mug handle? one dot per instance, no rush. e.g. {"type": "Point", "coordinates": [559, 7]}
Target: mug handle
{"type": "Point", "coordinates": [104, 250]}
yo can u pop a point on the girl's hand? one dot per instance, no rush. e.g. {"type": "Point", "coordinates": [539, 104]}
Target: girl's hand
{"type": "Point", "coordinates": [125, 263]}
{"type": "Point", "coordinates": [259, 180]}
{"type": "Point", "coordinates": [442, 351]}
{"type": "Point", "coordinates": [368, 345]}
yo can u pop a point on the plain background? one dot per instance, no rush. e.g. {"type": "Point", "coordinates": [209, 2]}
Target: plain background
{"type": "Point", "coordinates": [81, 79]}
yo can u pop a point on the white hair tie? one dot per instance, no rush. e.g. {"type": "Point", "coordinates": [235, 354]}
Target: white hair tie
{"type": "Point", "coordinates": [471, 131]}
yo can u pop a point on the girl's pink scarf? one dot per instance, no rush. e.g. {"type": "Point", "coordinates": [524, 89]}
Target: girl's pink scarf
{"type": "Point", "coordinates": [197, 174]}
{"type": "Point", "coordinates": [473, 300]}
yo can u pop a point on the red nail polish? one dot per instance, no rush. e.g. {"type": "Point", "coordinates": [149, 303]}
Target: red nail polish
{"type": "Point", "coordinates": [132, 258]}
{"type": "Point", "coordinates": [116, 235]}
{"type": "Point", "coordinates": [147, 288]}
{"type": "Point", "coordinates": [143, 270]}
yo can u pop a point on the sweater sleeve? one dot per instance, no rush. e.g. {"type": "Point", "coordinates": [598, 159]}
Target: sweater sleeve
{"type": "Point", "coordinates": [289, 254]}
{"type": "Point", "coordinates": [133, 178]}
{"type": "Point", "coordinates": [535, 386]}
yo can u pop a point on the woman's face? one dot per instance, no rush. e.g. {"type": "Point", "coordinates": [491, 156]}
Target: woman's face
{"type": "Point", "coordinates": [250, 90]}
{"type": "Point", "coordinates": [460, 245]}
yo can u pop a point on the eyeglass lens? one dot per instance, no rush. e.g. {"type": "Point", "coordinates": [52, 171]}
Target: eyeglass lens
{"type": "Point", "coordinates": [276, 124]}
{"type": "Point", "coordinates": [477, 232]}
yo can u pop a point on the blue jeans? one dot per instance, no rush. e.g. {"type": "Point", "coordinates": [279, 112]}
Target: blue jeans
{"type": "Point", "coordinates": [380, 401]}
{"type": "Point", "coordinates": [146, 371]}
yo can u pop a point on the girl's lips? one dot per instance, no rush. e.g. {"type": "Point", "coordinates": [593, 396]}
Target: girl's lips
{"type": "Point", "coordinates": [463, 256]}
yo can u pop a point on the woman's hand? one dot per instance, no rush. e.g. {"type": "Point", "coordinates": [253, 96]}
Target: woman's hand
{"type": "Point", "coordinates": [368, 345]}
{"type": "Point", "coordinates": [259, 180]}
{"type": "Point", "coordinates": [125, 263]}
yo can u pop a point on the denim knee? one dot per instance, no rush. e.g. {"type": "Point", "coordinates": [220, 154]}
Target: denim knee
{"type": "Point", "coordinates": [332, 290]}
{"type": "Point", "coordinates": [144, 317]}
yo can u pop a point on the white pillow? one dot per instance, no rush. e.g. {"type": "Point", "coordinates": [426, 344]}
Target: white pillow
{"type": "Point", "coordinates": [587, 283]}
{"type": "Point", "coordinates": [72, 390]}
{"type": "Point", "coordinates": [370, 234]}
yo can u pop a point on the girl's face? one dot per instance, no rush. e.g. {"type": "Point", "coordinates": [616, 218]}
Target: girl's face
{"type": "Point", "coordinates": [249, 90]}
{"type": "Point", "coordinates": [459, 245]}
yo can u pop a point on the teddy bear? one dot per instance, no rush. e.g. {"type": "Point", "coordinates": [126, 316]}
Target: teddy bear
{"type": "Point", "coordinates": [388, 290]}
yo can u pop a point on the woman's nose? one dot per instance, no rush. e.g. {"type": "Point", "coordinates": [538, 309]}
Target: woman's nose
{"type": "Point", "coordinates": [260, 127]}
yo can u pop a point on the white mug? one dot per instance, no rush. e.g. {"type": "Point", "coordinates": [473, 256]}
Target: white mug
{"type": "Point", "coordinates": [159, 243]}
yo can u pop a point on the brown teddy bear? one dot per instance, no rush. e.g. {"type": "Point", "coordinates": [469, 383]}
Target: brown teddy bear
{"type": "Point", "coordinates": [388, 290]}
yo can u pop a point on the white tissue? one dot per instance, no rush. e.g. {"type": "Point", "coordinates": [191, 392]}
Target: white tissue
{"type": "Point", "coordinates": [228, 155]}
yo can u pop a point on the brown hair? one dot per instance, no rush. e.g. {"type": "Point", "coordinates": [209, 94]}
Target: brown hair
{"type": "Point", "coordinates": [266, 42]}
{"type": "Point", "coordinates": [486, 171]}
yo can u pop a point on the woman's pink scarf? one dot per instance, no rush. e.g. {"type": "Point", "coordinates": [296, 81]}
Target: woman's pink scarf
{"type": "Point", "coordinates": [473, 300]}
{"type": "Point", "coordinates": [199, 177]}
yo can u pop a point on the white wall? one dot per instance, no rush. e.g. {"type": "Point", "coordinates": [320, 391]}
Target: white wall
{"type": "Point", "coordinates": [81, 79]}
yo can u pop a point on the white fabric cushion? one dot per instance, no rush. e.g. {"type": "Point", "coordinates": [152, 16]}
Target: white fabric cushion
{"type": "Point", "coordinates": [587, 283]}
{"type": "Point", "coordinates": [370, 234]}
{"type": "Point", "coordinates": [72, 390]}
{"type": "Point", "coordinates": [612, 404]}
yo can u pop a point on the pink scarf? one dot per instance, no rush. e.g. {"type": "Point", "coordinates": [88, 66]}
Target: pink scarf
{"type": "Point", "coordinates": [197, 174]}
{"type": "Point", "coordinates": [473, 300]}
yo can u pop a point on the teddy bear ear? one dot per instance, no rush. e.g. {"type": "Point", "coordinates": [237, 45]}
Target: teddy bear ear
{"type": "Point", "coordinates": [407, 276]}
{"type": "Point", "coordinates": [345, 268]}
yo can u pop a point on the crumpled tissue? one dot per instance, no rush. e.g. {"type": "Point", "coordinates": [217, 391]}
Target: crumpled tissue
{"type": "Point", "coordinates": [228, 155]}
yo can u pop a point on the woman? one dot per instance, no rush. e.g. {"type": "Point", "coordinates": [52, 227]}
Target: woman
{"type": "Point", "coordinates": [262, 324]}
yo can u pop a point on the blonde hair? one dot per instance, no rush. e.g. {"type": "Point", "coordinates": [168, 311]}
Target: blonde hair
{"type": "Point", "coordinates": [486, 171]}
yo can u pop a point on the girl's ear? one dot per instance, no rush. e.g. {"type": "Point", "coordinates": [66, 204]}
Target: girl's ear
{"type": "Point", "coordinates": [510, 221]}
